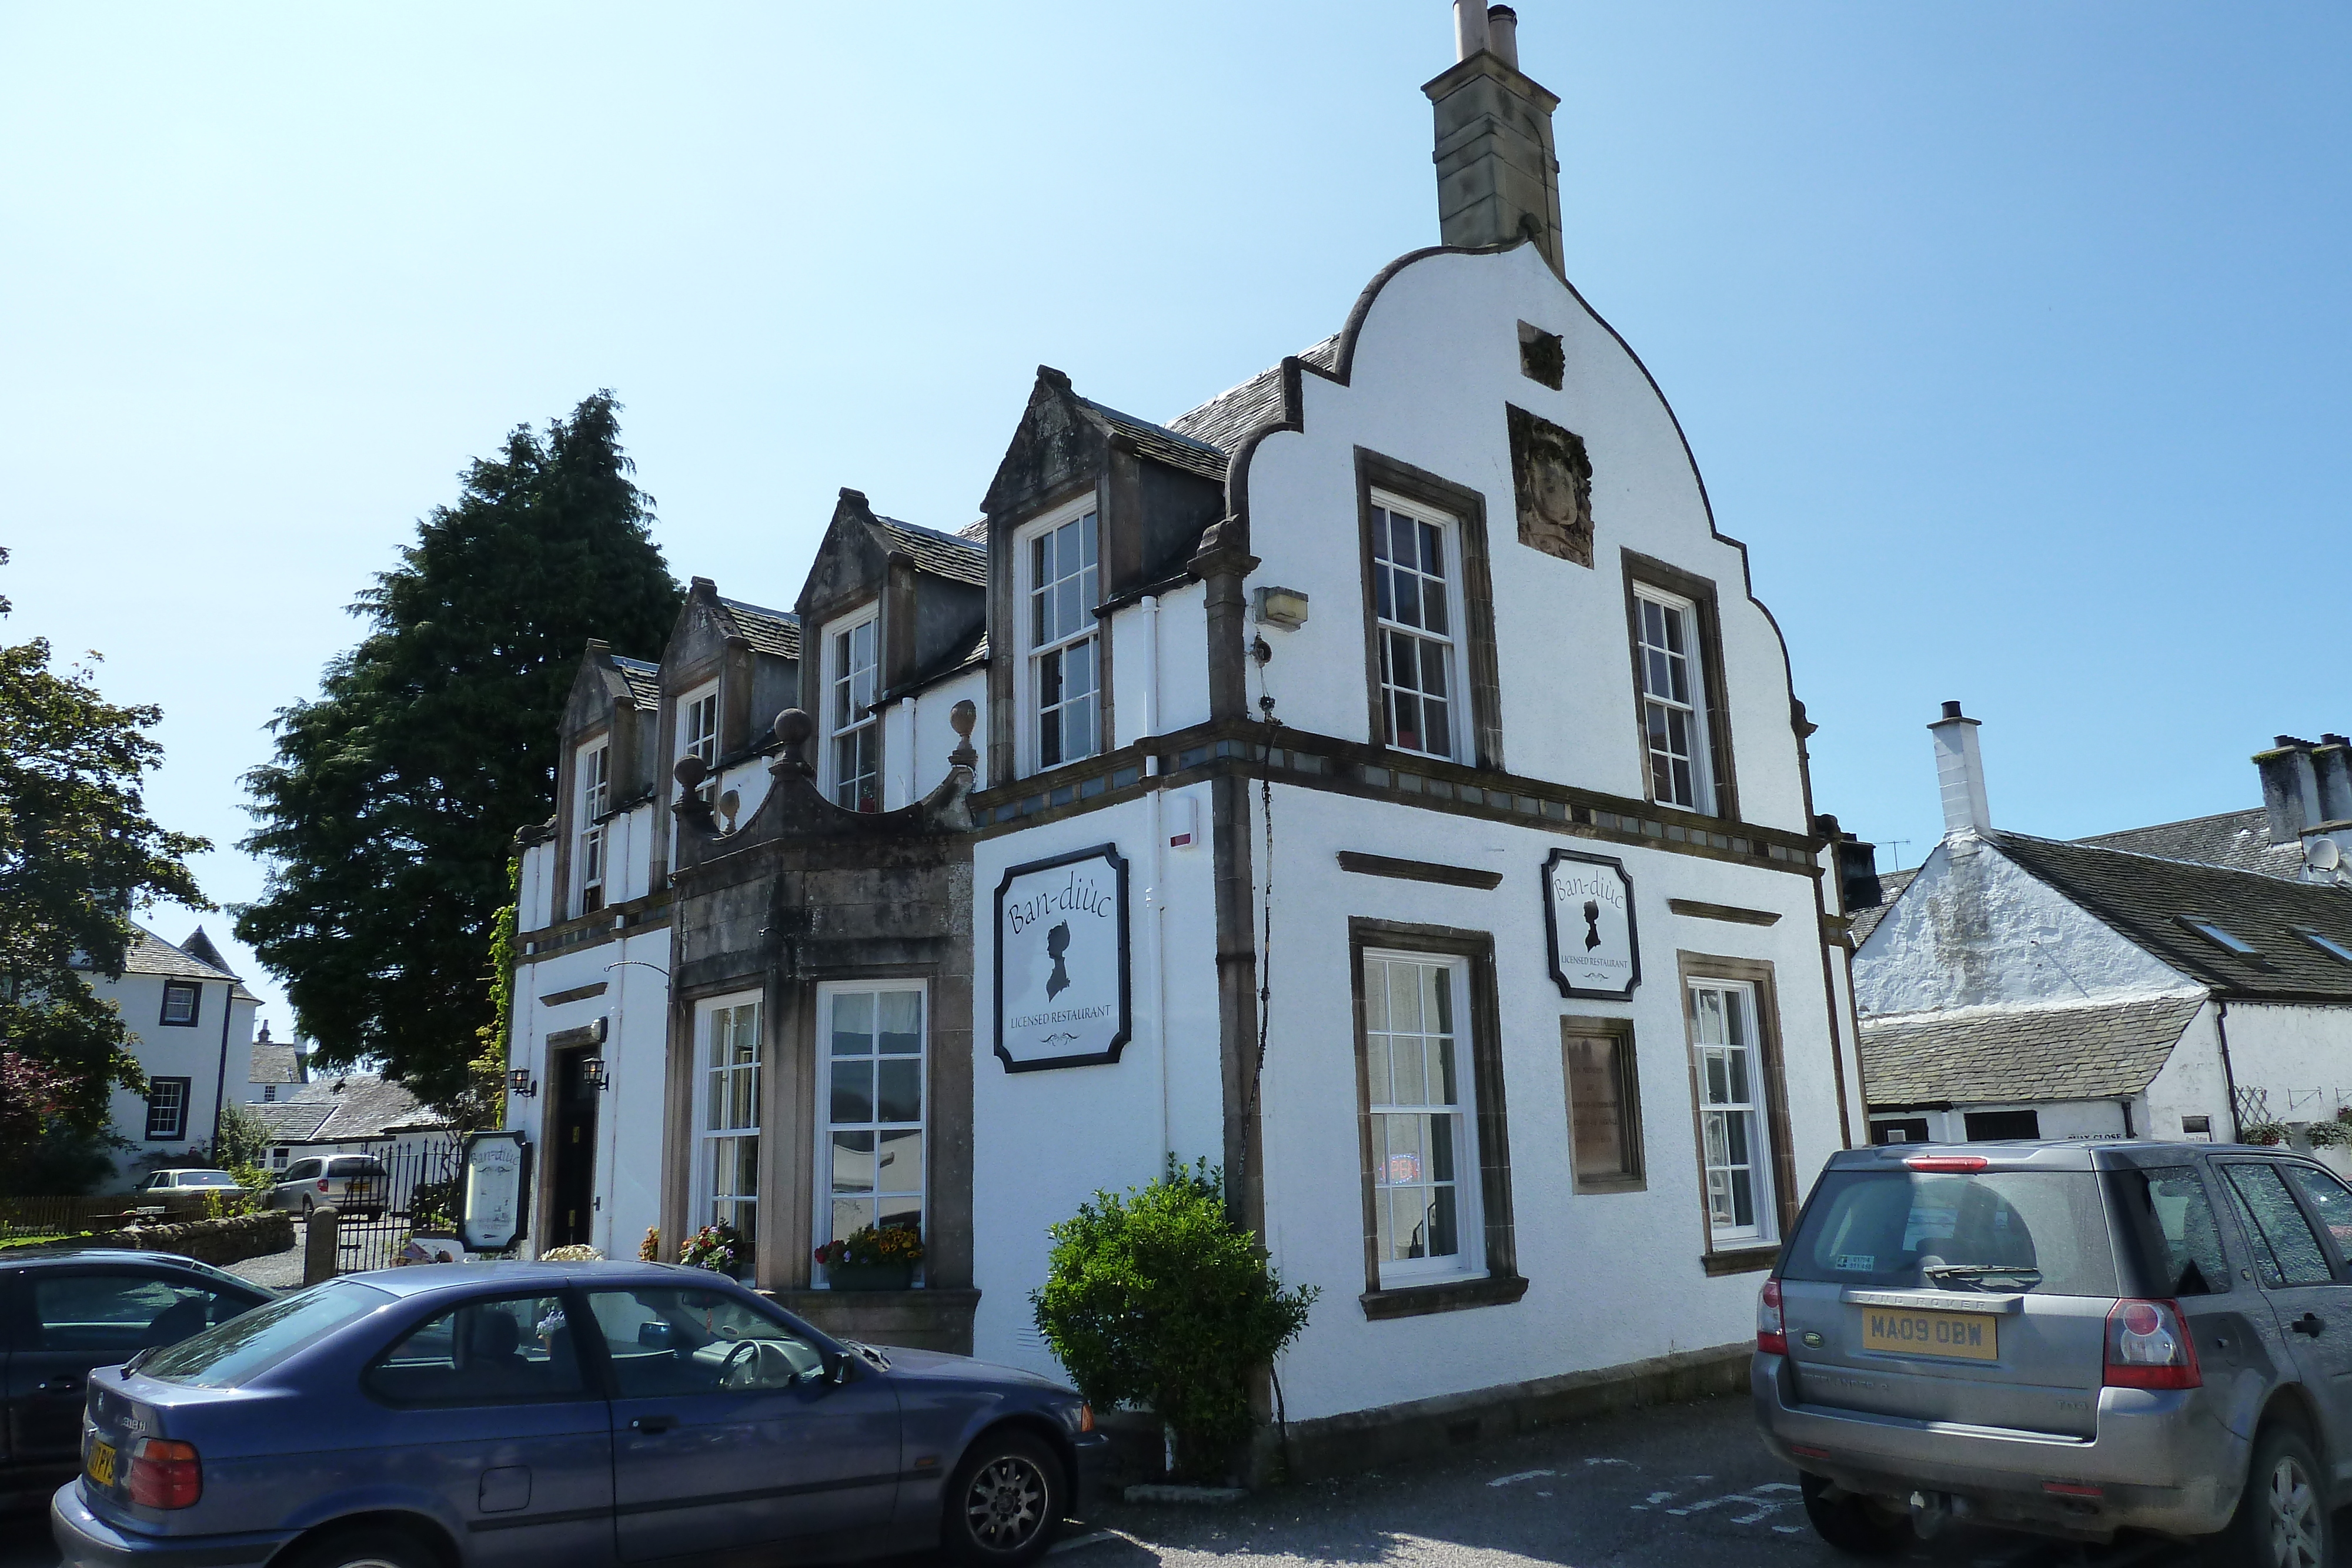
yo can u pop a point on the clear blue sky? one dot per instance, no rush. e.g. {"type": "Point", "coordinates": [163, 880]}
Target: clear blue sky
{"type": "Point", "coordinates": [2009, 336]}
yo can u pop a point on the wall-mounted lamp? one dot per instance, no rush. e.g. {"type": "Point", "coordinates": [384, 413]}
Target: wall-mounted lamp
{"type": "Point", "coordinates": [591, 1073]}
{"type": "Point", "coordinates": [519, 1082]}
{"type": "Point", "coordinates": [1280, 607]}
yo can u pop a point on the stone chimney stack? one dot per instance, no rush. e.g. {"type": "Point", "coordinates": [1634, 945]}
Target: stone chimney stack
{"type": "Point", "coordinates": [2331, 762]}
{"type": "Point", "coordinates": [1497, 177]}
{"type": "Point", "coordinates": [2290, 789]}
{"type": "Point", "coordinates": [1959, 773]}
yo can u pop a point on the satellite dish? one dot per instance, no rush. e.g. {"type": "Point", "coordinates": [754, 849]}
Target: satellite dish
{"type": "Point", "coordinates": [2322, 854]}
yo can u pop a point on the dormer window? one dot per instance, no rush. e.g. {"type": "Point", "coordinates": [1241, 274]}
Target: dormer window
{"type": "Point", "coordinates": [1065, 651]}
{"type": "Point", "coordinates": [697, 726]}
{"type": "Point", "coordinates": [595, 777]}
{"type": "Point", "coordinates": [854, 727]}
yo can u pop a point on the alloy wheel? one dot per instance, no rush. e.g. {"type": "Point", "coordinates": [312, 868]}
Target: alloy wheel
{"type": "Point", "coordinates": [2294, 1517]}
{"type": "Point", "coordinates": [1007, 1505]}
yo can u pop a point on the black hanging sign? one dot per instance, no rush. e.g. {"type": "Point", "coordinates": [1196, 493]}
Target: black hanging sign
{"type": "Point", "coordinates": [1589, 917]}
{"type": "Point", "coordinates": [1062, 992]}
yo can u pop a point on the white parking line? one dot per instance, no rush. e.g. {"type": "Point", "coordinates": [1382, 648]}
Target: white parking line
{"type": "Point", "coordinates": [1521, 1476]}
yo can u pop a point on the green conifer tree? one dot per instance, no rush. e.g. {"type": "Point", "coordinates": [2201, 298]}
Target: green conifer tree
{"type": "Point", "coordinates": [389, 812]}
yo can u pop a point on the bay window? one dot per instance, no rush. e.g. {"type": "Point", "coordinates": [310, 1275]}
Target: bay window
{"type": "Point", "coordinates": [871, 1100]}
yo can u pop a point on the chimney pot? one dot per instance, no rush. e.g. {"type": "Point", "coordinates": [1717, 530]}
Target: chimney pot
{"type": "Point", "coordinates": [1470, 27]}
{"type": "Point", "coordinates": [1503, 33]}
{"type": "Point", "coordinates": [1959, 773]}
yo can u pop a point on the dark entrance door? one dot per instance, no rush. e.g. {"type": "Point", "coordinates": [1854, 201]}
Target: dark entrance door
{"type": "Point", "coordinates": [574, 1185]}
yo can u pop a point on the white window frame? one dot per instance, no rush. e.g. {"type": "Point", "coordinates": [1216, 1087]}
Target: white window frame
{"type": "Point", "coordinates": [840, 687]}
{"type": "Point", "coordinates": [593, 785]}
{"type": "Point", "coordinates": [1029, 720]}
{"type": "Point", "coordinates": [175, 1105]}
{"type": "Point", "coordinates": [695, 707]}
{"type": "Point", "coordinates": [703, 1201]}
{"type": "Point", "coordinates": [1725, 1118]}
{"type": "Point", "coordinates": [1450, 642]}
{"type": "Point", "coordinates": [823, 1188]}
{"type": "Point", "coordinates": [1469, 1258]}
{"type": "Point", "coordinates": [1658, 660]}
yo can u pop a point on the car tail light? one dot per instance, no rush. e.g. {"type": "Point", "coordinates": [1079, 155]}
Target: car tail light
{"type": "Point", "coordinates": [1771, 1332]}
{"type": "Point", "coordinates": [2149, 1347]}
{"type": "Point", "coordinates": [323, 1184]}
{"type": "Point", "coordinates": [1086, 1417]}
{"type": "Point", "coordinates": [164, 1474]}
{"type": "Point", "coordinates": [1947, 1161]}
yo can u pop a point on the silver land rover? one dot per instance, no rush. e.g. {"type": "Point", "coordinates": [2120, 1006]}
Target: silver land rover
{"type": "Point", "coordinates": [2071, 1338]}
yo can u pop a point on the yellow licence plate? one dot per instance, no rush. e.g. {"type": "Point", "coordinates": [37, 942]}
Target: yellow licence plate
{"type": "Point", "coordinates": [101, 1463]}
{"type": "Point", "coordinates": [1963, 1336]}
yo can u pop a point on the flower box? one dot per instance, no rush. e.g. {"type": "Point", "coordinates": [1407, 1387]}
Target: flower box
{"type": "Point", "coordinates": [869, 1276]}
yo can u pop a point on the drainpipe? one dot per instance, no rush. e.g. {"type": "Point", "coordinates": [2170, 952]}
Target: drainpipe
{"type": "Point", "coordinates": [2229, 1075]}
{"type": "Point", "coordinates": [220, 1079]}
{"type": "Point", "coordinates": [1155, 902]}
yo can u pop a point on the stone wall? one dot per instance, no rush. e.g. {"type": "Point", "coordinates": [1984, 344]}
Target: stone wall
{"type": "Point", "coordinates": [214, 1242]}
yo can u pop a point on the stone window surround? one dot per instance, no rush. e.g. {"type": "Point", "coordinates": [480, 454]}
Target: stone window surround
{"type": "Point", "coordinates": [1620, 1029]}
{"type": "Point", "coordinates": [1646, 571]}
{"type": "Point", "coordinates": [1754, 1255]}
{"type": "Point", "coordinates": [1501, 1283]}
{"type": "Point", "coordinates": [789, 1122]}
{"type": "Point", "coordinates": [1480, 668]}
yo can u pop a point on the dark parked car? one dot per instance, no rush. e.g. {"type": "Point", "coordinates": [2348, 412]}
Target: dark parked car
{"type": "Point", "coordinates": [2072, 1338]}
{"type": "Point", "coordinates": [64, 1312]}
{"type": "Point", "coordinates": [534, 1413]}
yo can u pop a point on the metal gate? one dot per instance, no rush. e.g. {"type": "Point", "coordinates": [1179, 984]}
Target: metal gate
{"type": "Point", "coordinates": [421, 1193]}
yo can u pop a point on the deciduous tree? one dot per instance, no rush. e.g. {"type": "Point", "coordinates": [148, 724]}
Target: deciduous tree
{"type": "Point", "coordinates": [389, 810]}
{"type": "Point", "coordinates": [78, 855]}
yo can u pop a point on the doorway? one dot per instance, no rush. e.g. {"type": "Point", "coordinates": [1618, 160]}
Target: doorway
{"type": "Point", "coordinates": [574, 1136]}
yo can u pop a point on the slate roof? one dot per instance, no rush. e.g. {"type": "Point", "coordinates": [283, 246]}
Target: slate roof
{"type": "Point", "coordinates": [2145, 898]}
{"type": "Point", "coordinates": [776, 631]}
{"type": "Point", "coordinates": [951, 556]}
{"type": "Point", "coordinates": [644, 678]}
{"type": "Point", "coordinates": [2088, 1051]}
{"type": "Point", "coordinates": [275, 1061]}
{"type": "Point", "coordinates": [1231, 417]}
{"type": "Point", "coordinates": [1177, 449]}
{"type": "Point", "coordinates": [2239, 840]}
{"type": "Point", "coordinates": [150, 954]}
{"type": "Point", "coordinates": [1891, 885]}
{"type": "Point", "coordinates": [343, 1109]}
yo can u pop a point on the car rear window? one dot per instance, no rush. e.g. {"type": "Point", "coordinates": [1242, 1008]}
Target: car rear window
{"type": "Point", "coordinates": [245, 1347]}
{"type": "Point", "coordinates": [355, 1167]}
{"type": "Point", "coordinates": [206, 1178]}
{"type": "Point", "coordinates": [2041, 1231]}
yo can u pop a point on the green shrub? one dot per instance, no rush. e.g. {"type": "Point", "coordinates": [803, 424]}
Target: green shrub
{"type": "Point", "coordinates": [1158, 1299]}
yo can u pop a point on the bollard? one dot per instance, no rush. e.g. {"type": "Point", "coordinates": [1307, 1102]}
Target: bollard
{"type": "Point", "coordinates": [319, 1246]}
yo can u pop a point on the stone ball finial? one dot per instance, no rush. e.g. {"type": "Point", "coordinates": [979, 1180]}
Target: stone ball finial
{"type": "Point", "coordinates": [962, 717]}
{"type": "Point", "coordinates": [691, 772]}
{"type": "Point", "coordinates": [794, 726]}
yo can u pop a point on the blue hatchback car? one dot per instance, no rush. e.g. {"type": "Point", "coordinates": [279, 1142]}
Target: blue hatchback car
{"type": "Point", "coordinates": [482, 1414]}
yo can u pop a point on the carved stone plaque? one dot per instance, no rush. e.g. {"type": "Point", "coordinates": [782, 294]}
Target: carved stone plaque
{"type": "Point", "coordinates": [1553, 478]}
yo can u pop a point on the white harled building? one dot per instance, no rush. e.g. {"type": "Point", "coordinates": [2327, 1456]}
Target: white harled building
{"type": "Point", "coordinates": [1409, 683]}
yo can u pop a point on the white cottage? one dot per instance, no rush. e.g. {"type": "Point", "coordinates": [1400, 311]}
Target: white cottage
{"type": "Point", "coordinates": [1378, 780]}
{"type": "Point", "coordinates": [190, 1022]}
{"type": "Point", "coordinates": [2191, 980]}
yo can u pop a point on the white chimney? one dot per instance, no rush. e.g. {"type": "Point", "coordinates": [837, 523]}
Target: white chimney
{"type": "Point", "coordinates": [1503, 33]}
{"type": "Point", "coordinates": [1959, 773]}
{"type": "Point", "coordinates": [1470, 27]}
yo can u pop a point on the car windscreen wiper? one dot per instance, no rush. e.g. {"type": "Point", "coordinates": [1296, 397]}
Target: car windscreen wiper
{"type": "Point", "coordinates": [1972, 1272]}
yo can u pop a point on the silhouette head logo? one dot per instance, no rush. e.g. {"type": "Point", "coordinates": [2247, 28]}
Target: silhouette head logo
{"type": "Point", "coordinates": [1591, 923]}
{"type": "Point", "coordinates": [1057, 942]}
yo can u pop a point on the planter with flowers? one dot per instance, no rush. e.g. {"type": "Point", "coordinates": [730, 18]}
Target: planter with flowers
{"type": "Point", "coordinates": [2264, 1134]}
{"type": "Point", "coordinates": [717, 1248]}
{"type": "Point", "coordinates": [873, 1259]}
{"type": "Point", "coordinates": [2331, 1145]}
